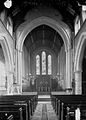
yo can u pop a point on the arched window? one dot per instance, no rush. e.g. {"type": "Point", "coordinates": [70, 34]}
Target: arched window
{"type": "Point", "coordinates": [38, 65]}
{"type": "Point", "coordinates": [43, 63]}
{"type": "Point", "coordinates": [49, 65]}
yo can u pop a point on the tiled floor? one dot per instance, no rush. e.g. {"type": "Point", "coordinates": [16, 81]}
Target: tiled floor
{"type": "Point", "coordinates": [44, 111]}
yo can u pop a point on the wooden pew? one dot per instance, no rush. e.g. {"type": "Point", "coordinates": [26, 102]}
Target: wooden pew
{"type": "Point", "coordinates": [3, 116]}
{"type": "Point", "coordinates": [28, 103]}
{"type": "Point", "coordinates": [67, 104]}
{"type": "Point", "coordinates": [10, 117]}
{"type": "Point", "coordinates": [6, 111]}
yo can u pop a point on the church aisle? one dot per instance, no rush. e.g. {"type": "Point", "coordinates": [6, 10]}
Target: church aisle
{"type": "Point", "coordinates": [51, 113]}
{"type": "Point", "coordinates": [44, 111]}
{"type": "Point", "coordinates": [38, 112]}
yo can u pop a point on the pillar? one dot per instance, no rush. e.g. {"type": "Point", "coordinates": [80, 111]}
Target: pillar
{"type": "Point", "coordinates": [78, 82]}
{"type": "Point", "coordinates": [18, 71]}
{"type": "Point", "coordinates": [9, 82]}
{"type": "Point", "coordinates": [68, 70]}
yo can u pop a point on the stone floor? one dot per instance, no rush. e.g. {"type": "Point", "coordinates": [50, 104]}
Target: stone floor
{"type": "Point", "coordinates": [44, 111]}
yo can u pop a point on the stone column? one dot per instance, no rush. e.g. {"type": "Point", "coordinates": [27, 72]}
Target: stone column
{"type": "Point", "coordinates": [68, 70]}
{"type": "Point", "coordinates": [78, 82]}
{"type": "Point", "coordinates": [9, 82]}
{"type": "Point", "coordinates": [19, 70]}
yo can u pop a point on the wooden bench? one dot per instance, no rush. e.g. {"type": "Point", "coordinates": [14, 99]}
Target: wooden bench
{"type": "Point", "coordinates": [26, 102]}
{"type": "Point", "coordinates": [65, 106]}
{"type": "Point", "coordinates": [6, 111]}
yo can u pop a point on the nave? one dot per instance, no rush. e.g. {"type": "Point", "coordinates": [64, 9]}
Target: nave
{"type": "Point", "coordinates": [44, 107]}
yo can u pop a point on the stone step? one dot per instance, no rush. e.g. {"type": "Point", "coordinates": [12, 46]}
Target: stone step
{"type": "Point", "coordinates": [44, 98]}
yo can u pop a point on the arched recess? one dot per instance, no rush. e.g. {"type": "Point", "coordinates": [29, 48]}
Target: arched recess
{"type": "Point", "coordinates": [78, 62]}
{"type": "Point", "coordinates": [8, 63]}
{"type": "Point", "coordinates": [57, 25]}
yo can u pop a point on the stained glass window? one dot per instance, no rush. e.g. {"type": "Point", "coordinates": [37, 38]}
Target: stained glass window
{"type": "Point", "coordinates": [38, 65]}
{"type": "Point", "coordinates": [49, 64]}
{"type": "Point", "coordinates": [43, 63]}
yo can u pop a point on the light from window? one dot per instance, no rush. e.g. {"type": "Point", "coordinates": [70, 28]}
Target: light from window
{"type": "Point", "coordinates": [49, 64]}
{"type": "Point", "coordinates": [43, 63]}
{"type": "Point", "coordinates": [38, 65]}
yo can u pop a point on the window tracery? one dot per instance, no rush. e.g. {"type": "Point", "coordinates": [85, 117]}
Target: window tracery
{"type": "Point", "coordinates": [43, 63]}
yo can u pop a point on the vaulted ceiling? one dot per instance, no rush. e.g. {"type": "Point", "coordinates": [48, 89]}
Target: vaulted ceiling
{"type": "Point", "coordinates": [43, 37]}
{"type": "Point", "coordinates": [68, 8]}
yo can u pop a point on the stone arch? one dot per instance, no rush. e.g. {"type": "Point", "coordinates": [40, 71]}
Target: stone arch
{"type": "Point", "coordinates": [79, 52]}
{"type": "Point", "coordinates": [78, 62]}
{"type": "Point", "coordinates": [8, 60]}
{"type": "Point", "coordinates": [25, 28]}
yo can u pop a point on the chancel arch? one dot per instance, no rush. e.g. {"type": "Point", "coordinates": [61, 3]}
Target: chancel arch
{"type": "Point", "coordinates": [43, 49]}
{"type": "Point", "coordinates": [64, 32]}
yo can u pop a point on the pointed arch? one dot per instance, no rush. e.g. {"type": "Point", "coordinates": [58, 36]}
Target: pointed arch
{"type": "Point", "coordinates": [28, 26]}
{"type": "Point", "coordinates": [79, 52]}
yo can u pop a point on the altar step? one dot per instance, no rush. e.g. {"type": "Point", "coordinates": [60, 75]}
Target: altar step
{"type": "Point", "coordinates": [44, 98]}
